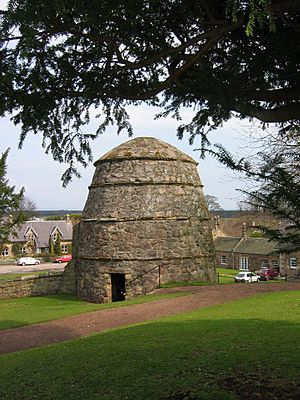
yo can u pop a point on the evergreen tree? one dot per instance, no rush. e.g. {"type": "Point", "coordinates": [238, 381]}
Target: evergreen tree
{"type": "Point", "coordinates": [61, 60]}
{"type": "Point", "coordinates": [50, 245]}
{"type": "Point", "coordinates": [10, 215]}
{"type": "Point", "coordinates": [57, 246]}
{"type": "Point", "coordinates": [275, 180]}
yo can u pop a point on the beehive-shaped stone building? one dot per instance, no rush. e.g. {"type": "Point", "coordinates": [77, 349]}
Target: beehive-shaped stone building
{"type": "Point", "coordinates": [145, 222]}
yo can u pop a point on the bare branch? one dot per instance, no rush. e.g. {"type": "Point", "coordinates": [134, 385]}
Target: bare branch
{"type": "Point", "coordinates": [278, 114]}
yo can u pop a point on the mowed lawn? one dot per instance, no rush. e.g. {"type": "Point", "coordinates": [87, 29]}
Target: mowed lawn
{"type": "Point", "coordinates": [246, 349]}
{"type": "Point", "coordinates": [32, 310]}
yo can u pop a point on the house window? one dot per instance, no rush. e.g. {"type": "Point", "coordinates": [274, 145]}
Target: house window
{"type": "Point", "coordinates": [293, 263]}
{"type": "Point", "coordinates": [55, 236]}
{"type": "Point", "coordinates": [264, 264]}
{"type": "Point", "coordinates": [244, 263]}
{"type": "Point", "coordinates": [223, 260]}
{"type": "Point", "coordinates": [275, 264]}
{"type": "Point", "coordinates": [30, 237]}
{"type": "Point", "coordinates": [64, 248]}
{"type": "Point", "coordinates": [23, 250]}
{"type": "Point", "coordinates": [5, 252]}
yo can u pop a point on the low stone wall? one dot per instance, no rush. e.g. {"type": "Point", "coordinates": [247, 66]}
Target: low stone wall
{"type": "Point", "coordinates": [38, 285]}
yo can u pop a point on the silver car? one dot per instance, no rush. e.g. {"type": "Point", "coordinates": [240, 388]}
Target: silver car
{"type": "Point", "coordinates": [246, 276]}
{"type": "Point", "coordinates": [28, 261]}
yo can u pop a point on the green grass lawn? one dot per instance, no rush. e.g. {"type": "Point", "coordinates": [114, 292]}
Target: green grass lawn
{"type": "Point", "coordinates": [31, 310]}
{"type": "Point", "coordinates": [247, 349]}
{"type": "Point", "coordinates": [225, 276]}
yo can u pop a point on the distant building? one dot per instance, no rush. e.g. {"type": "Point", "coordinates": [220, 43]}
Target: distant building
{"type": "Point", "coordinates": [33, 237]}
{"type": "Point", "coordinates": [248, 253]}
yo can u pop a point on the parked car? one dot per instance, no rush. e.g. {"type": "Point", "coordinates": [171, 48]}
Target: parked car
{"type": "Point", "coordinates": [266, 274]}
{"type": "Point", "coordinates": [28, 261]}
{"type": "Point", "coordinates": [64, 259]}
{"type": "Point", "coordinates": [246, 276]}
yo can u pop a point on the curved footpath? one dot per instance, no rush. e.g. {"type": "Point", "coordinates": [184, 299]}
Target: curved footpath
{"type": "Point", "coordinates": [97, 321]}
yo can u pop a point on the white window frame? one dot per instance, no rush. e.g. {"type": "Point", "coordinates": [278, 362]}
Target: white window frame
{"type": "Point", "coordinates": [55, 235]}
{"type": "Point", "coordinates": [223, 260]}
{"type": "Point", "coordinates": [5, 252]}
{"type": "Point", "coordinates": [275, 264]}
{"type": "Point", "coordinates": [293, 263]}
{"type": "Point", "coordinates": [23, 250]}
{"type": "Point", "coordinates": [64, 248]}
{"type": "Point", "coordinates": [244, 263]}
{"type": "Point", "coordinates": [264, 263]}
{"type": "Point", "coordinates": [30, 237]}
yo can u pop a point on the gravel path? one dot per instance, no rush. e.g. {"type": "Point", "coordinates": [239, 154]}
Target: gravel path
{"type": "Point", "coordinates": [97, 321]}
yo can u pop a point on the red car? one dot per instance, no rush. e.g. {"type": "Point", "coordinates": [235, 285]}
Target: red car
{"type": "Point", "coordinates": [266, 274]}
{"type": "Point", "coordinates": [64, 259]}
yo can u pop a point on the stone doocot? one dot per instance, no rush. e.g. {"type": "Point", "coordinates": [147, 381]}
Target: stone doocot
{"type": "Point", "coordinates": [145, 222]}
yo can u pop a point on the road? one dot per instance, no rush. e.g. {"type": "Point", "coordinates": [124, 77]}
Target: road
{"type": "Point", "coordinates": [16, 269]}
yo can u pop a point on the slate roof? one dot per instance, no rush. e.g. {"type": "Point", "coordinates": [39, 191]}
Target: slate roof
{"type": "Point", "coordinates": [256, 246]}
{"type": "Point", "coordinates": [42, 231]}
{"type": "Point", "coordinates": [247, 245]}
{"type": "Point", "coordinates": [226, 243]}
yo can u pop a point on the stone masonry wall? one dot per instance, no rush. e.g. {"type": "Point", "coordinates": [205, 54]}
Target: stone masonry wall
{"type": "Point", "coordinates": [31, 285]}
{"type": "Point", "coordinates": [146, 218]}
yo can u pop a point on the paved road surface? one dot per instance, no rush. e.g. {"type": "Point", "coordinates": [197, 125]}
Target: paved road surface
{"type": "Point", "coordinates": [16, 269]}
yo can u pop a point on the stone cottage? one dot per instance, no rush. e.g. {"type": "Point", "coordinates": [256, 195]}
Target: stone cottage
{"type": "Point", "coordinates": [145, 222]}
{"type": "Point", "coordinates": [32, 237]}
{"type": "Point", "coordinates": [253, 254]}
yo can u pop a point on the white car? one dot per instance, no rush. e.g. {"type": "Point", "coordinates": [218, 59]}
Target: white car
{"type": "Point", "coordinates": [246, 276]}
{"type": "Point", "coordinates": [28, 261]}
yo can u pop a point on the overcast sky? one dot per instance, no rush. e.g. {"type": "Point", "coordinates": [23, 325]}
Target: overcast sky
{"type": "Point", "coordinates": [40, 175]}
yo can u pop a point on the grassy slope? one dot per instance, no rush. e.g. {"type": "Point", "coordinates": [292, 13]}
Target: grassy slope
{"type": "Point", "coordinates": [32, 310]}
{"type": "Point", "coordinates": [247, 349]}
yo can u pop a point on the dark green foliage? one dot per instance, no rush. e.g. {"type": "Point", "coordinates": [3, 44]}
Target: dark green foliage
{"type": "Point", "coordinates": [61, 60]}
{"type": "Point", "coordinates": [16, 249]}
{"type": "Point", "coordinates": [54, 218]}
{"type": "Point", "coordinates": [57, 246]}
{"type": "Point", "coordinates": [70, 248]}
{"type": "Point", "coordinates": [50, 245]}
{"type": "Point", "coordinates": [10, 216]}
{"type": "Point", "coordinates": [276, 186]}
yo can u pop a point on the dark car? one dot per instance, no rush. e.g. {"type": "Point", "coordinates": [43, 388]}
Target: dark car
{"type": "Point", "coordinates": [266, 274]}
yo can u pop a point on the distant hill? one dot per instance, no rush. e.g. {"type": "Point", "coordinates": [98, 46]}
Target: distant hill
{"type": "Point", "coordinates": [229, 213]}
{"type": "Point", "coordinates": [59, 213]}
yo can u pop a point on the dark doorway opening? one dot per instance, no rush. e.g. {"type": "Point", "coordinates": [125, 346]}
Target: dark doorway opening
{"type": "Point", "coordinates": [117, 287]}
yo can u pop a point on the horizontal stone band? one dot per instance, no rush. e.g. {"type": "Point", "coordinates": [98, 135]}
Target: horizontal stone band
{"type": "Point", "coordinates": [104, 220]}
{"type": "Point", "coordinates": [117, 260]}
{"type": "Point", "coordinates": [150, 183]}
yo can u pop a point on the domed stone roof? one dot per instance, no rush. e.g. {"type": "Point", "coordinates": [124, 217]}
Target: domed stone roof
{"type": "Point", "coordinates": [146, 148]}
{"type": "Point", "coordinates": [145, 222]}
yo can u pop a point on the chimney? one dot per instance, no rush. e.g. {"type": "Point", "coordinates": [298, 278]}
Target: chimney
{"type": "Point", "coordinates": [244, 230]}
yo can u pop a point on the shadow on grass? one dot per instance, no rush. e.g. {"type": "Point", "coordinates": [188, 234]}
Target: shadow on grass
{"type": "Point", "coordinates": [188, 357]}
